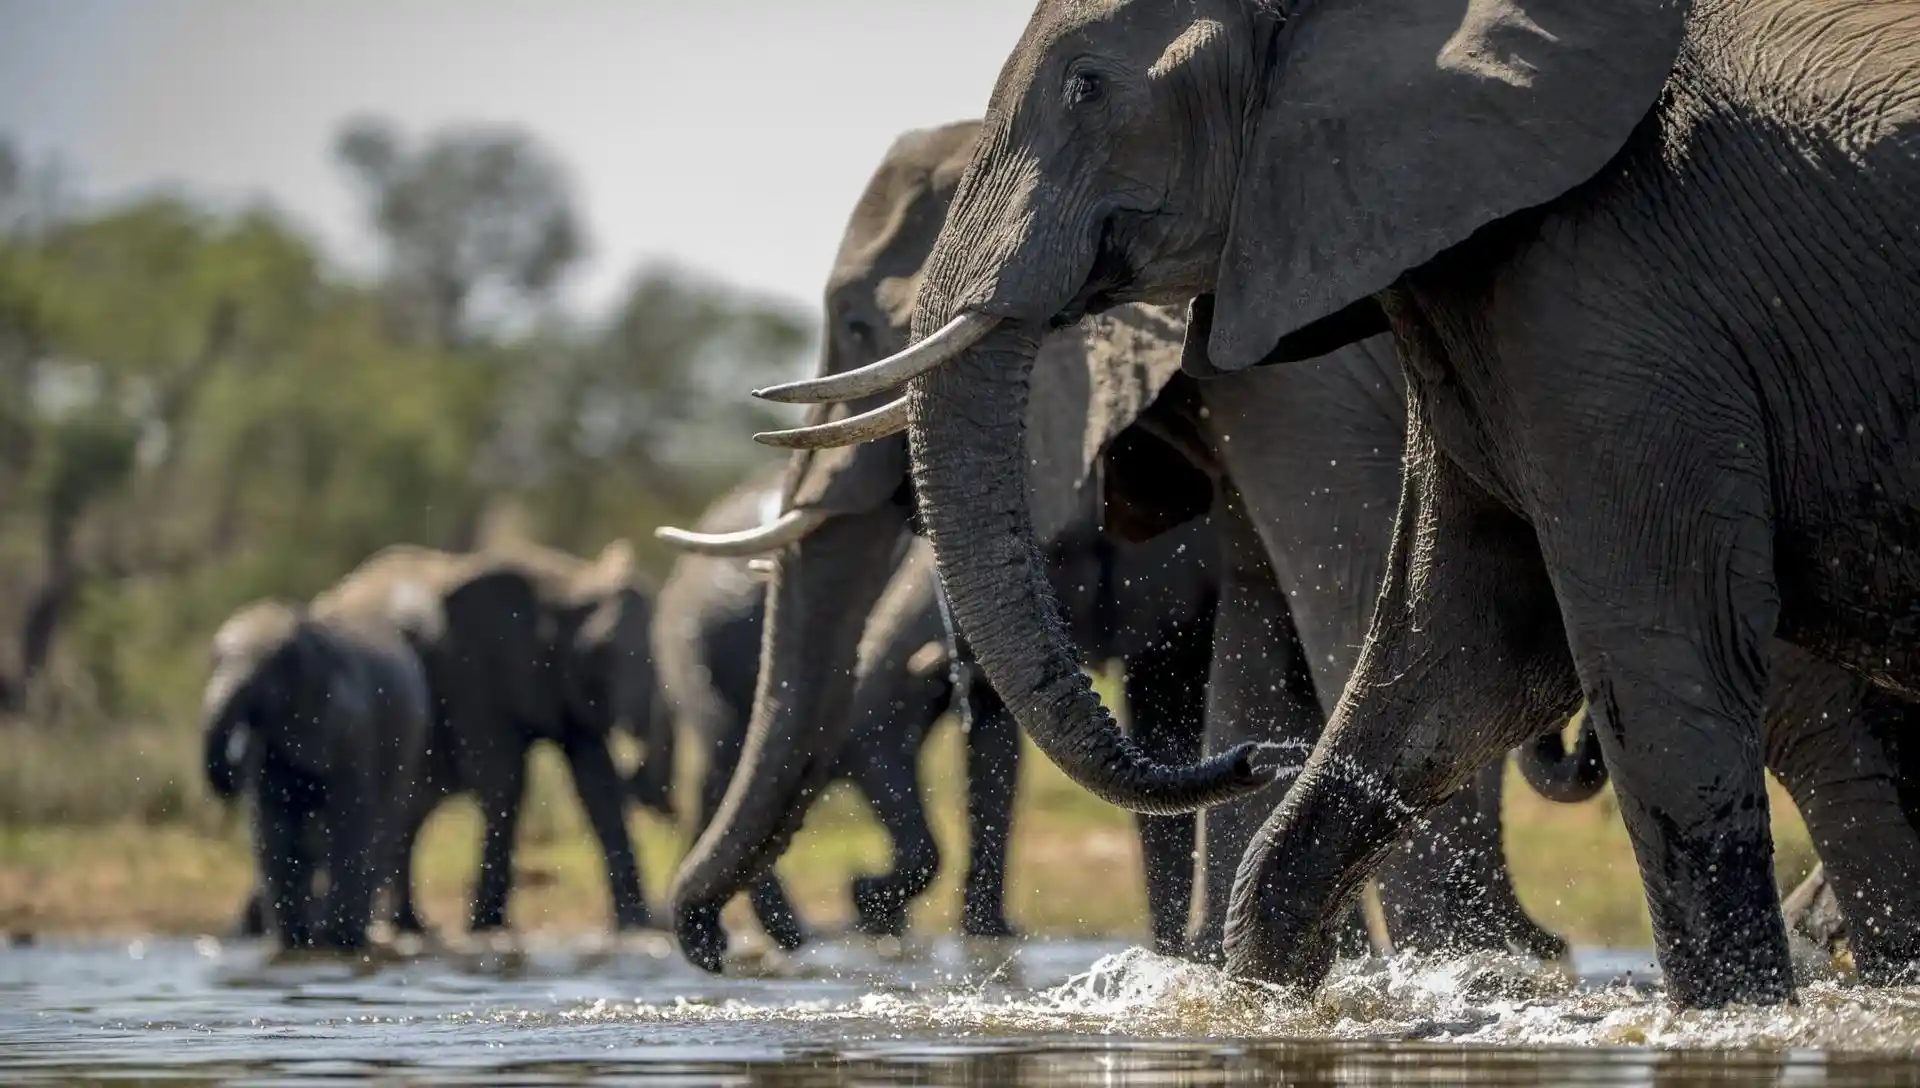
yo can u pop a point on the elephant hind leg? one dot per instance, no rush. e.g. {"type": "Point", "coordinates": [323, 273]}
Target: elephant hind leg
{"type": "Point", "coordinates": [499, 782]}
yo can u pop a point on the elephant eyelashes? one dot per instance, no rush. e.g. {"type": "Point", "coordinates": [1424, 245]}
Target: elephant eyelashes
{"type": "Point", "coordinates": [1084, 87]}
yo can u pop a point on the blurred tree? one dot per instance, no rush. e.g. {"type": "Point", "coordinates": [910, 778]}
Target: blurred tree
{"type": "Point", "coordinates": [478, 224]}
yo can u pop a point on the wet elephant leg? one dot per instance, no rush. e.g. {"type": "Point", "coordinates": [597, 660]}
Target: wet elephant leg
{"type": "Point", "coordinates": [499, 784]}
{"type": "Point", "coordinates": [769, 901]}
{"type": "Point", "coordinates": [1835, 742]}
{"type": "Point", "coordinates": [993, 776]}
{"type": "Point", "coordinates": [882, 759]}
{"type": "Point", "coordinates": [1447, 888]}
{"type": "Point", "coordinates": [603, 796]}
{"type": "Point", "coordinates": [416, 807]}
{"type": "Point", "coordinates": [354, 852]}
{"type": "Point", "coordinates": [281, 809]}
{"type": "Point", "coordinates": [1258, 688]}
{"type": "Point", "coordinates": [1166, 689]}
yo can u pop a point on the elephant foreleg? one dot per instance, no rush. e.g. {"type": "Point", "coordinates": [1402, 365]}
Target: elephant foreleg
{"type": "Point", "coordinates": [1258, 689]}
{"type": "Point", "coordinates": [771, 907]}
{"type": "Point", "coordinates": [603, 795]}
{"type": "Point", "coordinates": [1166, 690]}
{"type": "Point", "coordinates": [498, 786]}
{"type": "Point", "coordinates": [354, 854]}
{"type": "Point", "coordinates": [1465, 659]}
{"type": "Point", "coordinates": [993, 776]}
{"type": "Point", "coordinates": [882, 760]}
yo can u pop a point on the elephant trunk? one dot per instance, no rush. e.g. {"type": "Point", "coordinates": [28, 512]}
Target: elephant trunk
{"type": "Point", "coordinates": [1563, 775]}
{"type": "Point", "coordinates": [817, 603]}
{"type": "Point", "coordinates": [969, 442]}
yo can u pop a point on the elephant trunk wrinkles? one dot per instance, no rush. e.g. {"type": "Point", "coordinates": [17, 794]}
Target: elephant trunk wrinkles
{"type": "Point", "coordinates": [1567, 776]}
{"type": "Point", "coordinates": [817, 604]}
{"type": "Point", "coordinates": [969, 443]}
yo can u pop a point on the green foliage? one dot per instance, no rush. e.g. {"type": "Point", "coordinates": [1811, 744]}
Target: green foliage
{"type": "Point", "coordinates": [196, 409]}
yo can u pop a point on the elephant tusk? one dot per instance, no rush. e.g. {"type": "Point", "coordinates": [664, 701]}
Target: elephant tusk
{"type": "Point", "coordinates": [787, 529]}
{"type": "Point", "coordinates": [950, 340]}
{"type": "Point", "coordinates": [761, 568]}
{"type": "Point", "coordinates": [889, 418]}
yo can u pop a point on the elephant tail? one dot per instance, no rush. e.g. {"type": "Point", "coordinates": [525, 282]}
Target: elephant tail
{"type": "Point", "coordinates": [1563, 775]}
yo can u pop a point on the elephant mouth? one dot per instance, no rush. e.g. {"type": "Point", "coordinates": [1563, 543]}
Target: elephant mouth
{"type": "Point", "coordinates": [1109, 282]}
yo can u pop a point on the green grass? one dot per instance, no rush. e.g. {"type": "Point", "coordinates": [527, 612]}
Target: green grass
{"type": "Point", "coordinates": [114, 834]}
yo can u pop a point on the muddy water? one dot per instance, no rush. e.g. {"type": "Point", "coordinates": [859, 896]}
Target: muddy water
{"type": "Point", "coordinates": [933, 1012]}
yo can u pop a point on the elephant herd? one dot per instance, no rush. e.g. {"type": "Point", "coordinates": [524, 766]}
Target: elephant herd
{"type": "Point", "coordinates": [1382, 383]}
{"type": "Point", "coordinates": [1495, 360]}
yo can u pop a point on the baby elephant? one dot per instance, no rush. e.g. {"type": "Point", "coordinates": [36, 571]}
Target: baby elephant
{"type": "Point", "coordinates": [321, 720]}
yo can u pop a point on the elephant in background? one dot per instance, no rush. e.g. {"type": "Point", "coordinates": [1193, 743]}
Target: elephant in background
{"type": "Point", "coordinates": [845, 510]}
{"type": "Point", "coordinates": [321, 720]}
{"type": "Point", "coordinates": [1652, 423]}
{"type": "Point", "coordinates": [523, 643]}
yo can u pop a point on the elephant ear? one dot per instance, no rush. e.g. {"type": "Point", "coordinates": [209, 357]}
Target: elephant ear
{"type": "Point", "coordinates": [1090, 382]}
{"type": "Point", "coordinates": [1393, 129]}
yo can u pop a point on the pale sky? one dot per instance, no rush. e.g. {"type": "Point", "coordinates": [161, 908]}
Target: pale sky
{"type": "Point", "coordinates": [730, 137]}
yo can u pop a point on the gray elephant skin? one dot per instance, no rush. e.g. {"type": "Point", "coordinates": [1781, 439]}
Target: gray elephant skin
{"type": "Point", "coordinates": [1149, 603]}
{"type": "Point", "coordinates": [1652, 268]}
{"type": "Point", "coordinates": [320, 721]}
{"type": "Point", "coordinates": [523, 643]}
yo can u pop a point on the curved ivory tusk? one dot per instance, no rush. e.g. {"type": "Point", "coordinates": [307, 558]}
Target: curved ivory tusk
{"type": "Point", "coordinates": [889, 418]}
{"type": "Point", "coordinates": [950, 340]}
{"type": "Point", "coordinates": [759, 540]}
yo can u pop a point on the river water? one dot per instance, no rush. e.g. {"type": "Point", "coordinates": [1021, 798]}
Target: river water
{"type": "Point", "coordinates": [934, 1011]}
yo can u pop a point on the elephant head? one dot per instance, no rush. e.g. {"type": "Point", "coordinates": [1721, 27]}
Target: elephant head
{"type": "Point", "coordinates": [1279, 166]}
{"type": "Point", "coordinates": [844, 515]}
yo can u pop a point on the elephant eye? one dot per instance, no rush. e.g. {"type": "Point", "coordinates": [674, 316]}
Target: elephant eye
{"type": "Point", "coordinates": [859, 330]}
{"type": "Point", "coordinates": [1084, 87]}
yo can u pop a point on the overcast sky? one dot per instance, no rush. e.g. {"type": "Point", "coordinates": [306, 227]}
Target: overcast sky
{"type": "Point", "coordinates": [732, 137]}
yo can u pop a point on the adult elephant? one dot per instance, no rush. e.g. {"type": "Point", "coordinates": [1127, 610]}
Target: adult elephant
{"type": "Point", "coordinates": [525, 644]}
{"type": "Point", "coordinates": [320, 721]}
{"type": "Point", "coordinates": [1652, 267]}
{"type": "Point", "coordinates": [1147, 601]}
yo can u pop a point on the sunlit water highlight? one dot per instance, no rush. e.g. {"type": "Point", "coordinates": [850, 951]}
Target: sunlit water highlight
{"type": "Point", "coordinates": [849, 1011]}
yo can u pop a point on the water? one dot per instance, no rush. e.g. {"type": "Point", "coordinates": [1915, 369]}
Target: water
{"type": "Point", "coordinates": [848, 1011]}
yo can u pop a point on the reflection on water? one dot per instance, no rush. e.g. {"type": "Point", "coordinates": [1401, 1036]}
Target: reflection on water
{"type": "Point", "coordinates": [933, 1012]}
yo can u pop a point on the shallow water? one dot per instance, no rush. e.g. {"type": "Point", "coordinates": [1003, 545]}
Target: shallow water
{"type": "Point", "coordinates": [847, 1011]}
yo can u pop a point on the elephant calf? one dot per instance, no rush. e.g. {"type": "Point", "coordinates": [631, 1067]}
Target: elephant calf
{"type": "Point", "coordinates": [318, 719]}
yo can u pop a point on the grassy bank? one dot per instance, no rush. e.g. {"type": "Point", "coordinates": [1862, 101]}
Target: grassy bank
{"type": "Point", "coordinates": [142, 851]}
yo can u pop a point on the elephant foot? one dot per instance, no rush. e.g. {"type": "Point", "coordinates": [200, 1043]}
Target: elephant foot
{"type": "Point", "coordinates": [1531, 939]}
{"type": "Point", "coordinates": [879, 908]}
{"type": "Point", "coordinates": [486, 919]}
{"type": "Point", "coordinates": [252, 921]}
{"type": "Point", "coordinates": [700, 936]}
{"type": "Point", "coordinates": [407, 920]}
{"type": "Point", "coordinates": [994, 924]}
{"type": "Point", "coordinates": [631, 916]}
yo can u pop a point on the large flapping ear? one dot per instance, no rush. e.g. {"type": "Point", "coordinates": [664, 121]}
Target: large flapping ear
{"type": "Point", "coordinates": [1089, 384]}
{"type": "Point", "coordinates": [1393, 129]}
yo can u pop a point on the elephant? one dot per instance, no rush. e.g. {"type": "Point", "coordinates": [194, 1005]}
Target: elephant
{"type": "Point", "coordinates": [1688, 228]}
{"type": "Point", "coordinates": [706, 646]}
{"type": "Point", "coordinates": [320, 719]}
{"type": "Point", "coordinates": [842, 517]}
{"type": "Point", "coordinates": [523, 643]}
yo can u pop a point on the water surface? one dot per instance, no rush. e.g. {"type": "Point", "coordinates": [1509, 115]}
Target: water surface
{"type": "Point", "coordinates": [943, 1011]}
